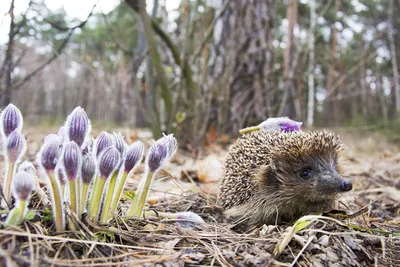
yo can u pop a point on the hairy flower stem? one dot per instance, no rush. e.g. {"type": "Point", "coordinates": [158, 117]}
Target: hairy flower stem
{"type": "Point", "coordinates": [91, 201]}
{"type": "Point", "coordinates": [140, 198]}
{"type": "Point", "coordinates": [16, 215]}
{"type": "Point", "coordinates": [118, 192]}
{"type": "Point", "coordinates": [73, 200]}
{"type": "Point", "coordinates": [84, 192]}
{"type": "Point", "coordinates": [95, 199]}
{"type": "Point", "coordinates": [7, 189]}
{"type": "Point", "coordinates": [57, 202]}
{"type": "Point", "coordinates": [109, 197]}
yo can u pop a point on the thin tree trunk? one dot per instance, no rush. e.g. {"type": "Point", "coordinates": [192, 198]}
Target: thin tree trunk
{"type": "Point", "coordinates": [291, 15]}
{"type": "Point", "coordinates": [311, 94]}
{"type": "Point", "coordinates": [8, 62]}
{"type": "Point", "coordinates": [364, 101]}
{"type": "Point", "coordinates": [394, 58]}
{"type": "Point", "coordinates": [381, 95]}
{"type": "Point", "coordinates": [330, 116]}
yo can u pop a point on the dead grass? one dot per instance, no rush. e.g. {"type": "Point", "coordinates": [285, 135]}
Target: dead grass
{"type": "Point", "coordinates": [364, 231]}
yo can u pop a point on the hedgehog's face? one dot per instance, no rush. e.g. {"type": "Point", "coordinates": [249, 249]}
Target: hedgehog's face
{"type": "Point", "coordinates": [310, 178]}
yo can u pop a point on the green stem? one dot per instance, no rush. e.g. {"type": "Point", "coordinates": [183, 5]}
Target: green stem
{"type": "Point", "coordinates": [118, 193]}
{"type": "Point", "coordinates": [91, 201]}
{"type": "Point", "coordinates": [73, 207]}
{"type": "Point", "coordinates": [249, 129]}
{"type": "Point", "coordinates": [7, 189]}
{"type": "Point", "coordinates": [95, 200]}
{"type": "Point", "coordinates": [84, 191]}
{"type": "Point", "coordinates": [57, 202]}
{"type": "Point", "coordinates": [16, 215]}
{"type": "Point", "coordinates": [140, 197]}
{"type": "Point", "coordinates": [109, 197]}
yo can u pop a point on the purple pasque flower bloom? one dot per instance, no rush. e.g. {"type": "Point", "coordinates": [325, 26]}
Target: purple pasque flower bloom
{"type": "Point", "coordinates": [22, 185]}
{"type": "Point", "coordinates": [50, 152]}
{"type": "Point", "coordinates": [103, 141]}
{"type": "Point", "coordinates": [133, 156]}
{"type": "Point", "coordinates": [15, 146]}
{"type": "Point", "coordinates": [88, 170]}
{"type": "Point", "coordinates": [119, 143]}
{"type": "Point", "coordinates": [71, 159]}
{"type": "Point", "coordinates": [160, 152]}
{"type": "Point", "coordinates": [10, 120]}
{"type": "Point", "coordinates": [108, 161]}
{"type": "Point", "coordinates": [77, 126]}
{"type": "Point", "coordinates": [280, 124]}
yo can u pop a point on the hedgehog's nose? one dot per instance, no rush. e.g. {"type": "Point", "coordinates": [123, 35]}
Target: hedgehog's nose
{"type": "Point", "coordinates": [346, 185]}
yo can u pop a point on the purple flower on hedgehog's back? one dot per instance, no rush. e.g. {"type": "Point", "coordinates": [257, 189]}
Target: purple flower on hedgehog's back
{"type": "Point", "coordinates": [275, 124]}
{"type": "Point", "coordinates": [290, 126]}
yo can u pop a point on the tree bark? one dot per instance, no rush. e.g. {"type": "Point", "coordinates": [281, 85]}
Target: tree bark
{"type": "Point", "coordinates": [240, 72]}
{"type": "Point", "coordinates": [288, 72]}
{"type": "Point", "coordinates": [329, 107]}
{"type": "Point", "coordinates": [393, 58]}
{"type": "Point", "coordinates": [8, 62]}
{"type": "Point", "coordinates": [311, 94]}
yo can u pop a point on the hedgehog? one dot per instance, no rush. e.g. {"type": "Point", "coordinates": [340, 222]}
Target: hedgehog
{"type": "Point", "coordinates": [276, 177]}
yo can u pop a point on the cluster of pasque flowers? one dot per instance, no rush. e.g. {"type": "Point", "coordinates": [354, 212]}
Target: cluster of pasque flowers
{"type": "Point", "coordinates": [84, 175]}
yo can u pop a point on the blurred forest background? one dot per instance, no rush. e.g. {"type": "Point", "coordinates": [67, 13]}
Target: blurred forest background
{"type": "Point", "coordinates": [208, 65]}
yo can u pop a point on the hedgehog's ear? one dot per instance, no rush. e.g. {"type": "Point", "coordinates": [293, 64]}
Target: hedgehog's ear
{"type": "Point", "coordinates": [267, 175]}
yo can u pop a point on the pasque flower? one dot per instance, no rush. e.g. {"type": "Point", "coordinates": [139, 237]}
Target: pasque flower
{"type": "Point", "coordinates": [133, 158]}
{"type": "Point", "coordinates": [160, 152]}
{"type": "Point", "coordinates": [102, 141]}
{"type": "Point", "coordinates": [77, 126]}
{"type": "Point", "coordinates": [10, 120]}
{"type": "Point", "coordinates": [71, 163]}
{"type": "Point", "coordinates": [108, 163]}
{"type": "Point", "coordinates": [15, 147]}
{"type": "Point", "coordinates": [49, 155]}
{"type": "Point", "coordinates": [22, 186]}
{"type": "Point", "coordinates": [88, 172]}
{"type": "Point", "coordinates": [275, 124]}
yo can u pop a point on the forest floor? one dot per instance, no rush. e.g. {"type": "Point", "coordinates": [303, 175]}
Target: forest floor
{"type": "Point", "coordinates": [363, 231]}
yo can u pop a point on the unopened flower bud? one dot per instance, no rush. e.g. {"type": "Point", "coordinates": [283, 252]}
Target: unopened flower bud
{"type": "Point", "coordinates": [87, 146]}
{"type": "Point", "coordinates": [88, 169]}
{"type": "Point", "coordinates": [157, 154]}
{"type": "Point", "coordinates": [71, 159]}
{"type": "Point", "coordinates": [28, 167]}
{"type": "Point", "coordinates": [53, 137]}
{"type": "Point", "coordinates": [134, 156]}
{"type": "Point", "coordinates": [171, 144]}
{"type": "Point", "coordinates": [109, 161]}
{"type": "Point", "coordinates": [77, 126]}
{"type": "Point", "coordinates": [22, 185]}
{"type": "Point", "coordinates": [16, 146]}
{"type": "Point", "coordinates": [61, 176]}
{"type": "Point", "coordinates": [120, 143]}
{"type": "Point", "coordinates": [49, 154]}
{"type": "Point", "coordinates": [102, 141]}
{"type": "Point", "coordinates": [10, 120]}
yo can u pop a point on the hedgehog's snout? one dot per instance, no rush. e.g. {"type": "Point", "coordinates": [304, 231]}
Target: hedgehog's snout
{"type": "Point", "coordinates": [346, 185]}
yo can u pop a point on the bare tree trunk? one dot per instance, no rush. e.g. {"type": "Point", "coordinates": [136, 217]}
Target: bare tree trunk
{"type": "Point", "coordinates": [329, 107]}
{"type": "Point", "coordinates": [393, 57]}
{"type": "Point", "coordinates": [364, 102]}
{"type": "Point", "coordinates": [8, 62]}
{"type": "Point", "coordinates": [381, 95]}
{"type": "Point", "coordinates": [311, 94]}
{"type": "Point", "coordinates": [291, 15]}
{"type": "Point", "coordinates": [242, 65]}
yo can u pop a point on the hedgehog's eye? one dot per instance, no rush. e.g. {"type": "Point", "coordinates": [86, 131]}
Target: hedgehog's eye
{"type": "Point", "coordinates": [305, 173]}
